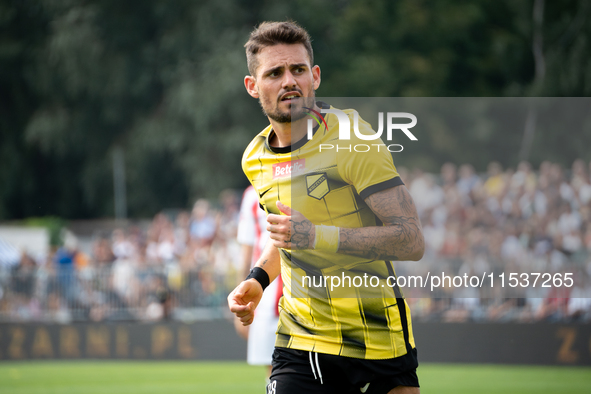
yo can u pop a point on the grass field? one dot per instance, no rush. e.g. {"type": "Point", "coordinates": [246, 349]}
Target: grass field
{"type": "Point", "coordinates": [120, 377]}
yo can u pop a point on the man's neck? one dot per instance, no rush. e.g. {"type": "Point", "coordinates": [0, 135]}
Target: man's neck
{"type": "Point", "coordinates": [286, 134]}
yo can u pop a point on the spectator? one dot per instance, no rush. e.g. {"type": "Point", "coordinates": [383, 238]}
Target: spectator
{"type": "Point", "coordinates": [202, 228]}
{"type": "Point", "coordinates": [122, 247]}
{"type": "Point", "coordinates": [428, 193]}
{"type": "Point", "coordinates": [102, 251]}
{"type": "Point", "coordinates": [495, 183]}
{"type": "Point", "coordinates": [64, 260]}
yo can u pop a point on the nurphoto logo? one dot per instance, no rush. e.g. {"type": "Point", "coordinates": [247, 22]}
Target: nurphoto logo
{"type": "Point", "coordinates": [345, 129]}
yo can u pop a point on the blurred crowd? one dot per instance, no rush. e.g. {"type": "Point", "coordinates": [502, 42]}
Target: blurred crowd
{"type": "Point", "coordinates": [511, 221]}
{"type": "Point", "coordinates": [180, 264]}
{"type": "Point", "coordinates": [521, 220]}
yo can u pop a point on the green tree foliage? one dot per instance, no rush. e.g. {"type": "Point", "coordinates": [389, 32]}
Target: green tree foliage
{"type": "Point", "coordinates": [163, 81]}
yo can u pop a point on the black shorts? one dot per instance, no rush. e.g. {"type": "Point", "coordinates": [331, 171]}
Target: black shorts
{"type": "Point", "coordinates": [297, 372]}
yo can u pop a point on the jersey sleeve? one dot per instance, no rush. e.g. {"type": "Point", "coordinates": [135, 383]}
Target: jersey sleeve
{"type": "Point", "coordinates": [368, 171]}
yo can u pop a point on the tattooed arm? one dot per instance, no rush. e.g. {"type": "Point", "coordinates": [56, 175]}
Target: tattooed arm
{"type": "Point", "coordinates": [401, 237]}
{"type": "Point", "coordinates": [292, 230]}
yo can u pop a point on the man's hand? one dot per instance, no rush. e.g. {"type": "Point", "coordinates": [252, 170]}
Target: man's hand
{"type": "Point", "coordinates": [244, 299]}
{"type": "Point", "coordinates": [292, 231]}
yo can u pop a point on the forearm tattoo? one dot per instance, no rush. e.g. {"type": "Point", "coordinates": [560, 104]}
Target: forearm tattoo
{"type": "Point", "coordinates": [301, 233]}
{"type": "Point", "coordinates": [400, 239]}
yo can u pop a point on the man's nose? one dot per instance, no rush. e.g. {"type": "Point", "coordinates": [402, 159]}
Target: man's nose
{"type": "Point", "coordinates": [288, 80]}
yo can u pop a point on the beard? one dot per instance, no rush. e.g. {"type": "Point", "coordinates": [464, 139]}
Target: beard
{"type": "Point", "coordinates": [295, 112]}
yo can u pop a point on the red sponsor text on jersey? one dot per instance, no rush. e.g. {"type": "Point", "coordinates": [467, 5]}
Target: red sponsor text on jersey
{"type": "Point", "coordinates": [288, 168]}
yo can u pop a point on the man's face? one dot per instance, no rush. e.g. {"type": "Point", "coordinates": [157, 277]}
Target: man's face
{"type": "Point", "coordinates": [284, 82]}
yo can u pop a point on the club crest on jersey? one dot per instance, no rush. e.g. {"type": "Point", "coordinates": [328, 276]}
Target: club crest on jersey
{"type": "Point", "coordinates": [289, 168]}
{"type": "Point", "coordinates": [317, 185]}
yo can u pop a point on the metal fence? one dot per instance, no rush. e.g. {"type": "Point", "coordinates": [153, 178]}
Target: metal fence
{"type": "Point", "coordinates": [122, 291]}
{"type": "Point", "coordinates": [125, 290]}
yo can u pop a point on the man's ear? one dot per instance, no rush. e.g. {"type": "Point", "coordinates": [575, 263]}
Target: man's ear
{"type": "Point", "coordinates": [251, 86]}
{"type": "Point", "coordinates": [316, 75]}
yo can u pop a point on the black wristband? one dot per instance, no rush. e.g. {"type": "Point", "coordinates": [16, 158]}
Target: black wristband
{"type": "Point", "coordinates": [260, 275]}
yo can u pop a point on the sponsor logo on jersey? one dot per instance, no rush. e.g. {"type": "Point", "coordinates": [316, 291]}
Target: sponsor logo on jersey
{"type": "Point", "coordinates": [289, 168]}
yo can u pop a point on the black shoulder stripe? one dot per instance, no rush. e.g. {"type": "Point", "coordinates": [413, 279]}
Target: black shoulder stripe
{"type": "Point", "coordinates": [396, 181]}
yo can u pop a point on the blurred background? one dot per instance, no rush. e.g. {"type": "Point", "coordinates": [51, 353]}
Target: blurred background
{"type": "Point", "coordinates": [122, 126]}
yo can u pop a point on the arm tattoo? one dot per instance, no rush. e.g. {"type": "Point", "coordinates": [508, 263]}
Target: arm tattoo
{"type": "Point", "coordinates": [300, 234]}
{"type": "Point", "coordinates": [400, 239]}
{"type": "Point", "coordinates": [406, 203]}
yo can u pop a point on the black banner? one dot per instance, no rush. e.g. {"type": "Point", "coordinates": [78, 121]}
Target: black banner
{"type": "Point", "coordinates": [506, 343]}
{"type": "Point", "coordinates": [210, 340]}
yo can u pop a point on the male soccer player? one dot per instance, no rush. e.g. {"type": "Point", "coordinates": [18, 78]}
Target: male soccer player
{"type": "Point", "coordinates": [332, 214]}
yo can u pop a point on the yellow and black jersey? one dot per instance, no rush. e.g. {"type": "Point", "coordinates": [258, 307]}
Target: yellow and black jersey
{"type": "Point", "coordinates": [327, 180]}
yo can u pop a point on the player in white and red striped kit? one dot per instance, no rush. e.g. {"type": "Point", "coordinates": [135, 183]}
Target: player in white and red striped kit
{"type": "Point", "coordinates": [253, 235]}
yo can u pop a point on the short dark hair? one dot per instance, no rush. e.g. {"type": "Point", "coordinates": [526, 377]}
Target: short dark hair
{"type": "Point", "coordinates": [272, 33]}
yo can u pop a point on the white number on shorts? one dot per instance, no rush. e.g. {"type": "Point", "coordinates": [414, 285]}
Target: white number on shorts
{"type": "Point", "coordinates": [271, 387]}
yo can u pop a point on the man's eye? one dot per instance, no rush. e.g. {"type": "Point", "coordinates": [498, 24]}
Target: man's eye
{"type": "Point", "coordinates": [300, 70]}
{"type": "Point", "coordinates": [274, 74]}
